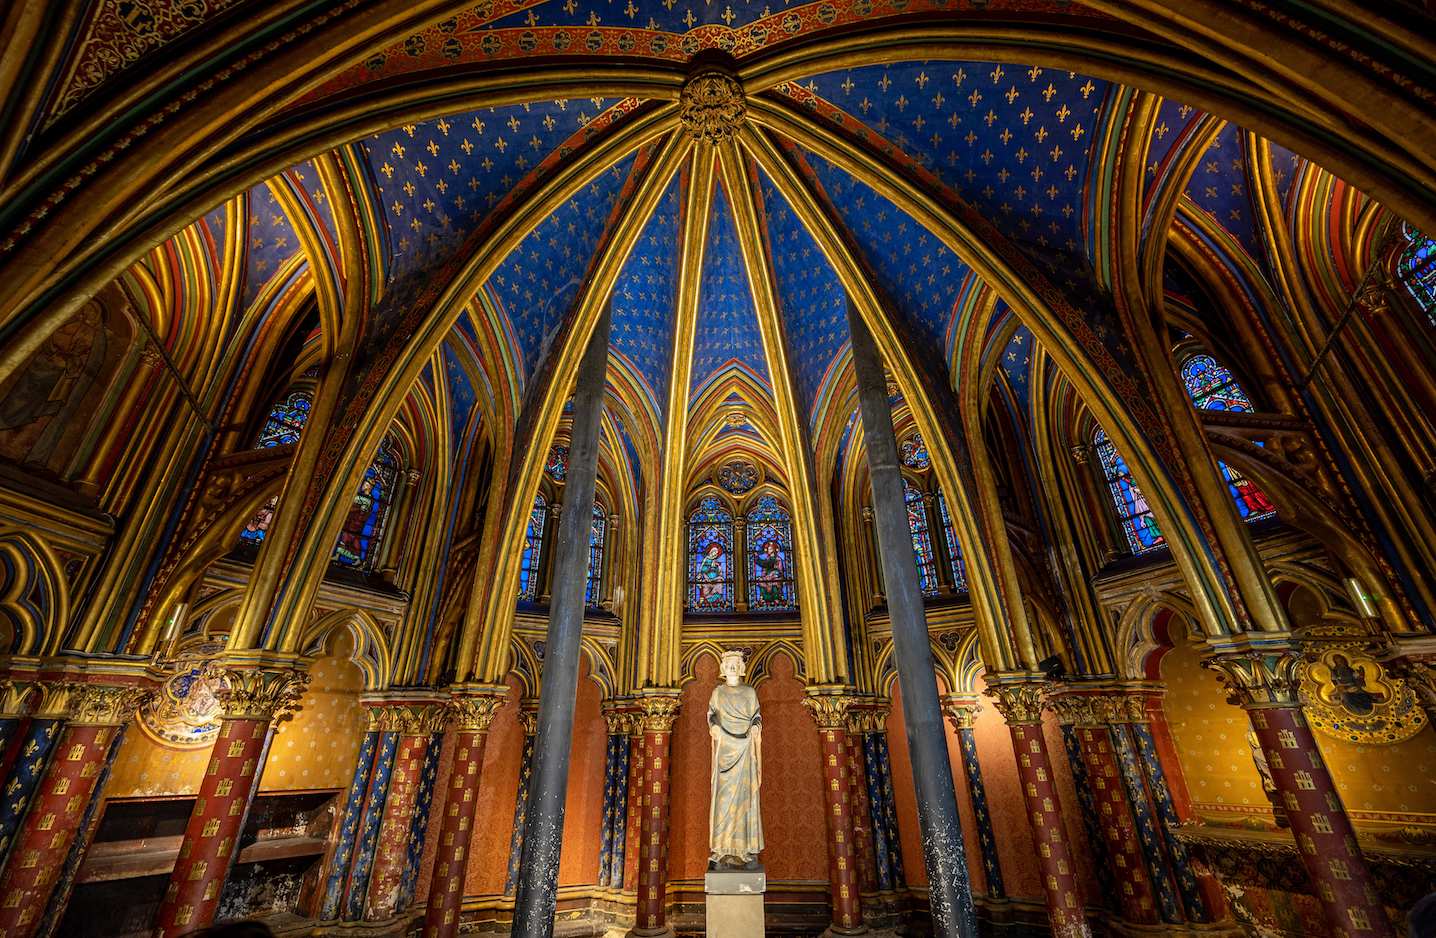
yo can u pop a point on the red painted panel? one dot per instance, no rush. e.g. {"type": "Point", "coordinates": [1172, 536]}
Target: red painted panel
{"type": "Point", "coordinates": [794, 828]}
{"type": "Point", "coordinates": [583, 811]}
{"type": "Point", "coordinates": [498, 786]}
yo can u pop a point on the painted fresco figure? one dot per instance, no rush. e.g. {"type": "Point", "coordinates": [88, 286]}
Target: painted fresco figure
{"type": "Point", "coordinates": [735, 824]}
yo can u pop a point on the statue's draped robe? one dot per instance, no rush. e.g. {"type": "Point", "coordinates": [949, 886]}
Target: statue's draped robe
{"type": "Point", "coordinates": [735, 826]}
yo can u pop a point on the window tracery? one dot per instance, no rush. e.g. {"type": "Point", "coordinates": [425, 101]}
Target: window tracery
{"type": "Point", "coordinates": [533, 549]}
{"type": "Point", "coordinates": [286, 420]}
{"type": "Point", "coordinates": [1135, 515]}
{"type": "Point", "coordinates": [954, 550]}
{"type": "Point", "coordinates": [769, 535]}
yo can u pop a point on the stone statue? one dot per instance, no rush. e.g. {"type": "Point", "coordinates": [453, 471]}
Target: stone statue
{"type": "Point", "coordinates": [735, 826]}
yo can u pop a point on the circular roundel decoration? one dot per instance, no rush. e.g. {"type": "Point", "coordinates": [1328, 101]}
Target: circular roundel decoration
{"type": "Point", "coordinates": [738, 477]}
{"type": "Point", "coordinates": [1349, 695]}
{"type": "Point", "coordinates": [557, 463]}
{"type": "Point", "coordinates": [186, 711]}
{"type": "Point", "coordinates": [914, 454]}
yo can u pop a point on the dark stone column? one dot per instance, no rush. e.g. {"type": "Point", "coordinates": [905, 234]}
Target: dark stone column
{"type": "Point", "coordinates": [950, 895]}
{"type": "Point", "coordinates": [537, 899]}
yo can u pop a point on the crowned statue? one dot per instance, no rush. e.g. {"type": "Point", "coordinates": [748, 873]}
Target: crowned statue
{"type": "Point", "coordinates": [735, 825]}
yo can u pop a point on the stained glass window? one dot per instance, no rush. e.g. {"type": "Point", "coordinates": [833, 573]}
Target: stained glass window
{"type": "Point", "coordinates": [557, 463]}
{"type": "Point", "coordinates": [285, 421]}
{"type": "Point", "coordinates": [710, 564]}
{"type": "Point", "coordinates": [533, 548]}
{"type": "Point", "coordinates": [1212, 387]}
{"type": "Point", "coordinates": [921, 539]}
{"type": "Point", "coordinates": [1138, 523]}
{"type": "Point", "coordinates": [954, 550]}
{"type": "Point", "coordinates": [258, 526]}
{"type": "Point", "coordinates": [1417, 269]}
{"type": "Point", "coordinates": [592, 591]}
{"type": "Point", "coordinates": [359, 538]}
{"type": "Point", "coordinates": [914, 454]}
{"type": "Point", "coordinates": [769, 536]}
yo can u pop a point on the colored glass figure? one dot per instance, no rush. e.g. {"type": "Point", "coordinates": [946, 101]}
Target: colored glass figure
{"type": "Point", "coordinates": [557, 464]}
{"type": "Point", "coordinates": [954, 550]}
{"type": "Point", "coordinates": [710, 565]}
{"type": "Point", "coordinates": [1417, 270]}
{"type": "Point", "coordinates": [770, 557]}
{"type": "Point", "coordinates": [533, 548]}
{"type": "Point", "coordinates": [364, 526]}
{"type": "Point", "coordinates": [285, 421]}
{"type": "Point", "coordinates": [914, 454]}
{"type": "Point", "coordinates": [1138, 523]}
{"type": "Point", "coordinates": [1212, 387]}
{"type": "Point", "coordinates": [592, 590]}
{"type": "Point", "coordinates": [921, 539]}
{"type": "Point", "coordinates": [254, 531]}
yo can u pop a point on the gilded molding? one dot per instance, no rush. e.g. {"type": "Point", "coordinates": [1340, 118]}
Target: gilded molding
{"type": "Point", "coordinates": [1098, 709]}
{"type": "Point", "coordinates": [658, 711]}
{"type": "Point", "coordinates": [106, 704]}
{"type": "Point", "coordinates": [260, 694]}
{"type": "Point", "coordinates": [528, 719]}
{"type": "Point", "coordinates": [869, 717]}
{"type": "Point", "coordinates": [830, 710]}
{"type": "Point", "coordinates": [1021, 703]}
{"type": "Point", "coordinates": [711, 106]}
{"type": "Point", "coordinates": [1255, 679]}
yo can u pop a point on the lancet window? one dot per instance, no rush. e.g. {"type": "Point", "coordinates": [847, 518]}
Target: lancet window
{"type": "Point", "coordinates": [769, 535]}
{"type": "Point", "coordinates": [710, 557]}
{"type": "Point", "coordinates": [285, 422]}
{"type": "Point", "coordinates": [921, 539]}
{"type": "Point", "coordinates": [1417, 270]}
{"type": "Point", "coordinates": [598, 533]}
{"type": "Point", "coordinates": [954, 550]}
{"type": "Point", "coordinates": [533, 550]}
{"type": "Point", "coordinates": [1133, 512]}
{"type": "Point", "coordinates": [364, 525]}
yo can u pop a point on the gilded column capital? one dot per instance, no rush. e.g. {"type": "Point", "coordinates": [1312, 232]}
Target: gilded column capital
{"type": "Point", "coordinates": [712, 106]}
{"type": "Point", "coordinates": [16, 698]}
{"type": "Point", "coordinates": [658, 710]}
{"type": "Point", "coordinates": [528, 717]}
{"type": "Point", "coordinates": [618, 716]}
{"type": "Point", "coordinates": [1019, 702]}
{"type": "Point", "coordinates": [869, 716]}
{"type": "Point", "coordinates": [106, 704]}
{"type": "Point", "coordinates": [1256, 679]}
{"type": "Point", "coordinates": [829, 707]}
{"type": "Point", "coordinates": [961, 710]}
{"type": "Point", "coordinates": [474, 713]}
{"type": "Point", "coordinates": [261, 693]}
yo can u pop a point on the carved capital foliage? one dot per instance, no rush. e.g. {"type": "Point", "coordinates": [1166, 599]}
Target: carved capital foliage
{"type": "Point", "coordinates": [870, 717]}
{"type": "Point", "coordinates": [1098, 709]}
{"type": "Point", "coordinates": [260, 693]}
{"type": "Point", "coordinates": [106, 704]}
{"type": "Point", "coordinates": [830, 711]}
{"type": "Point", "coordinates": [475, 714]}
{"type": "Point", "coordinates": [658, 711]}
{"type": "Point", "coordinates": [528, 719]}
{"type": "Point", "coordinates": [711, 106]}
{"type": "Point", "coordinates": [1019, 703]}
{"type": "Point", "coordinates": [619, 717]}
{"type": "Point", "coordinates": [961, 711]}
{"type": "Point", "coordinates": [408, 719]}
{"type": "Point", "coordinates": [16, 698]}
{"type": "Point", "coordinates": [1259, 678]}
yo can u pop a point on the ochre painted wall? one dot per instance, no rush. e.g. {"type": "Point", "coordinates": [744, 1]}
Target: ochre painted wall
{"type": "Point", "coordinates": [315, 749]}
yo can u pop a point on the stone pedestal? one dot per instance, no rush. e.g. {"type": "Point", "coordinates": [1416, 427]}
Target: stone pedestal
{"type": "Point", "coordinates": [735, 903]}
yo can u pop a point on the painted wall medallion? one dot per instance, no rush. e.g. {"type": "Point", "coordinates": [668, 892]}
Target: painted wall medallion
{"type": "Point", "coordinates": [186, 712]}
{"type": "Point", "coordinates": [1350, 695]}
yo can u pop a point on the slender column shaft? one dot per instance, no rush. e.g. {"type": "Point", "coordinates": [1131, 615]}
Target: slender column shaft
{"type": "Point", "coordinates": [1265, 685]}
{"type": "Point", "coordinates": [32, 756]}
{"type": "Point", "coordinates": [1195, 898]}
{"type": "Point", "coordinates": [963, 712]}
{"type": "Point", "coordinates": [886, 845]}
{"type": "Point", "coordinates": [637, 766]}
{"type": "Point", "coordinates": [830, 712]}
{"type": "Point", "coordinates": [1149, 838]}
{"type": "Point", "coordinates": [1021, 706]}
{"type": "Point", "coordinates": [419, 824]}
{"type": "Point", "coordinates": [473, 716]}
{"type": "Point", "coordinates": [211, 839]}
{"type": "Point", "coordinates": [521, 804]}
{"type": "Point", "coordinates": [659, 711]}
{"type": "Point", "coordinates": [349, 828]}
{"type": "Point", "coordinates": [950, 896]}
{"type": "Point", "coordinates": [1118, 830]}
{"type": "Point", "coordinates": [537, 898]}
{"type": "Point", "coordinates": [615, 801]}
{"type": "Point", "coordinates": [51, 825]}
{"type": "Point", "coordinates": [861, 809]}
{"type": "Point", "coordinates": [1096, 843]}
{"type": "Point", "coordinates": [367, 841]}
{"type": "Point", "coordinates": [394, 828]}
